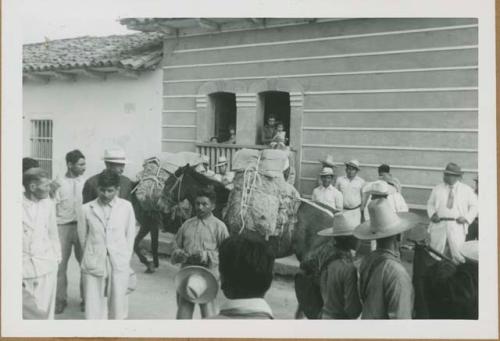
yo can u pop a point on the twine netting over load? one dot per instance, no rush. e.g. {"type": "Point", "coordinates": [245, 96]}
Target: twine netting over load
{"type": "Point", "coordinates": [262, 201]}
{"type": "Point", "coordinates": [156, 170]}
{"type": "Point", "coordinates": [151, 182]}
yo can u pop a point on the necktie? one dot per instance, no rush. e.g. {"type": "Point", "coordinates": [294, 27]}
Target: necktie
{"type": "Point", "coordinates": [449, 204]}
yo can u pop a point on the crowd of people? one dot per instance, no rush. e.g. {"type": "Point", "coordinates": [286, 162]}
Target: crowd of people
{"type": "Point", "coordinates": [94, 219]}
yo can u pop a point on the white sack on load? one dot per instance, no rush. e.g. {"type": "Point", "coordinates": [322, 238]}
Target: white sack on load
{"type": "Point", "coordinates": [262, 201]}
{"type": "Point", "coordinates": [268, 162]}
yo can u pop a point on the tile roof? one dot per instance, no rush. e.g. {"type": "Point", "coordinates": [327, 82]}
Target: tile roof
{"type": "Point", "coordinates": [140, 51]}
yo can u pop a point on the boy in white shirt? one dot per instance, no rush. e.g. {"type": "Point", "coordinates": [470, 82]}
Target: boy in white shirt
{"type": "Point", "coordinates": [326, 193]}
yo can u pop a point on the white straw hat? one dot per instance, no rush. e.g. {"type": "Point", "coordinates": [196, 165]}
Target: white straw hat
{"type": "Point", "coordinates": [341, 227]}
{"type": "Point", "coordinates": [325, 171]}
{"type": "Point", "coordinates": [115, 156]}
{"type": "Point", "coordinates": [384, 222]}
{"type": "Point", "coordinates": [196, 284]}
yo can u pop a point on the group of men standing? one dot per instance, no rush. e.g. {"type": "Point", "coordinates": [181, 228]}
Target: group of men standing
{"type": "Point", "coordinates": [95, 220]}
{"type": "Point", "coordinates": [377, 212]}
{"type": "Point", "coordinates": [90, 218]}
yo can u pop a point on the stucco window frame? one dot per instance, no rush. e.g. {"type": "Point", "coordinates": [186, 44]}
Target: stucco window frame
{"type": "Point", "coordinates": [296, 92]}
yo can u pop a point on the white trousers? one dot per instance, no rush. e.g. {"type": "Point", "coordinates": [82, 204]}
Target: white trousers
{"type": "Point", "coordinates": [42, 290]}
{"type": "Point", "coordinates": [98, 306]}
{"type": "Point", "coordinates": [448, 233]}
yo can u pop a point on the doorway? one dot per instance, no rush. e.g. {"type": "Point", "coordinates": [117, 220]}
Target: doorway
{"type": "Point", "coordinates": [276, 104]}
{"type": "Point", "coordinates": [224, 108]}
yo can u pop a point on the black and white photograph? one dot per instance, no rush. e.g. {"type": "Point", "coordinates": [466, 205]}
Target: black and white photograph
{"type": "Point", "coordinates": [273, 168]}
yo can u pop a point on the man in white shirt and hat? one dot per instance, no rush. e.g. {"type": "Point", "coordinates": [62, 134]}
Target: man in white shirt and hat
{"type": "Point", "coordinates": [68, 198]}
{"type": "Point", "coordinates": [224, 176]}
{"type": "Point", "coordinates": [41, 247]}
{"type": "Point", "coordinates": [326, 193]}
{"type": "Point", "coordinates": [351, 186]}
{"type": "Point", "coordinates": [386, 288]}
{"type": "Point", "coordinates": [452, 207]}
{"type": "Point", "coordinates": [115, 160]}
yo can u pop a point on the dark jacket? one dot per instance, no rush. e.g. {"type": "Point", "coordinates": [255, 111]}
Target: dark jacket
{"type": "Point", "coordinates": [89, 192]}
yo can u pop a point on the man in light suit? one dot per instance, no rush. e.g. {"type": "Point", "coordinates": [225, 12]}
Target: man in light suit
{"type": "Point", "coordinates": [106, 229]}
{"type": "Point", "coordinates": [452, 207]}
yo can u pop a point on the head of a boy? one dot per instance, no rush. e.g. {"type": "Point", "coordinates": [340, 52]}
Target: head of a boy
{"type": "Point", "coordinates": [246, 267]}
{"type": "Point", "coordinates": [204, 202]}
{"type": "Point", "coordinates": [108, 185]}
{"type": "Point", "coordinates": [280, 127]}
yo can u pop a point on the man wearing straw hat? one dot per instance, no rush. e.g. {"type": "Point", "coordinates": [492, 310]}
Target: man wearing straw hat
{"type": "Point", "coordinates": [351, 186]}
{"type": "Point", "coordinates": [452, 206]}
{"type": "Point", "coordinates": [224, 176]}
{"type": "Point", "coordinates": [385, 287]}
{"type": "Point", "coordinates": [339, 281]}
{"type": "Point", "coordinates": [326, 193]}
{"type": "Point", "coordinates": [115, 160]}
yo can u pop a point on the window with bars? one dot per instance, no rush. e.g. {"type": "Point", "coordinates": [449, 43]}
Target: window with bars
{"type": "Point", "coordinates": [41, 143]}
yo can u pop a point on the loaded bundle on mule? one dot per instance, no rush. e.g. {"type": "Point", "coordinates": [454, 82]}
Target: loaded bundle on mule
{"type": "Point", "coordinates": [151, 211]}
{"type": "Point", "coordinates": [156, 170]}
{"type": "Point", "coordinates": [262, 204]}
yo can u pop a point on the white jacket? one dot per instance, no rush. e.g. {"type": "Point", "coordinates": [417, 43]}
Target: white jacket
{"type": "Point", "coordinates": [98, 239]}
{"type": "Point", "coordinates": [464, 203]}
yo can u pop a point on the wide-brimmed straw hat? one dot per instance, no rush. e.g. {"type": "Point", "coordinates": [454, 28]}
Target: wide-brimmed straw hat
{"type": "Point", "coordinates": [326, 171]}
{"type": "Point", "coordinates": [470, 250]}
{"type": "Point", "coordinates": [352, 163]}
{"type": "Point", "coordinates": [328, 162]}
{"type": "Point", "coordinates": [341, 227]}
{"type": "Point", "coordinates": [222, 161]}
{"type": "Point", "coordinates": [379, 187]}
{"type": "Point", "coordinates": [115, 155]}
{"type": "Point", "coordinates": [384, 222]}
{"type": "Point", "coordinates": [453, 169]}
{"type": "Point", "coordinates": [196, 284]}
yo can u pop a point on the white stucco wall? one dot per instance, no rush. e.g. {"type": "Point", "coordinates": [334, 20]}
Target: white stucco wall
{"type": "Point", "coordinates": [92, 115]}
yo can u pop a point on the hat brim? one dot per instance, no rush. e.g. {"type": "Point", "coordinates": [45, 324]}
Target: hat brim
{"type": "Point", "coordinates": [453, 173]}
{"type": "Point", "coordinates": [351, 165]}
{"type": "Point", "coordinates": [329, 232]}
{"type": "Point", "coordinates": [117, 161]}
{"type": "Point", "coordinates": [326, 174]}
{"type": "Point", "coordinates": [221, 164]}
{"type": "Point", "coordinates": [181, 280]}
{"type": "Point", "coordinates": [470, 250]}
{"type": "Point", "coordinates": [408, 221]}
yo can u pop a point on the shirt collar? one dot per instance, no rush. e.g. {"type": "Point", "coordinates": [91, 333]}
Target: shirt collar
{"type": "Point", "coordinates": [247, 306]}
{"type": "Point", "coordinates": [206, 218]}
{"type": "Point", "coordinates": [111, 203]}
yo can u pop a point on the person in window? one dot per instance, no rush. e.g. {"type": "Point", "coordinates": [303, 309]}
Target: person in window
{"type": "Point", "coordinates": [269, 130]}
{"type": "Point", "coordinates": [232, 136]}
{"type": "Point", "coordinates": [214, 139]}
{"type": "Point", "coordinates": [280, 133]}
